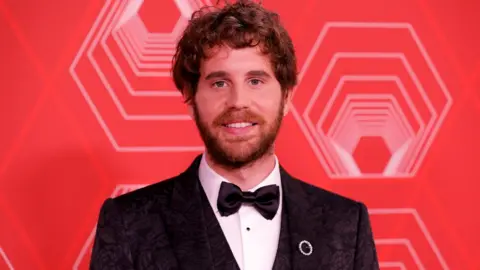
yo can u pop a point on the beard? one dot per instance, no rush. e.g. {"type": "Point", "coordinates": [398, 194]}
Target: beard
{"type": "Point", "coordinates": [239, 153]}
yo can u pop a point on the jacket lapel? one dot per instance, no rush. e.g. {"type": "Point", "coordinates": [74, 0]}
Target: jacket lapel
{"type": "Point", "coordinates": [196, 235]}
{"type": "Point", "coordinates": [199, 243]}
{"type": "Point", "coordinates": [222, 255]}
{"type": "Point", "coordinates": [305, 225]}
{"type": "Point", "coordinates": [283, 257]}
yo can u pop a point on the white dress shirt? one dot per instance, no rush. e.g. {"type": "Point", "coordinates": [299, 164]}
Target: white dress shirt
{"type": "Point", "coordinates": [252, 238]}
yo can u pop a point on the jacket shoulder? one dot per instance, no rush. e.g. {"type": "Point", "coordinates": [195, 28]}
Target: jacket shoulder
{"type": "Point", "coordinates": [144, 197]}
{"type": "Point", "coordinates": [330, 199]}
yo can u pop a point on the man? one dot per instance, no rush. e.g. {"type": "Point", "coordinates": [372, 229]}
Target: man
{"type": "Point", "coordinates": [235, 207]}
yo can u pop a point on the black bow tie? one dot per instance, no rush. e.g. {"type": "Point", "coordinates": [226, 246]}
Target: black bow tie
{"type": "Point", "coordinates": [264, 199]}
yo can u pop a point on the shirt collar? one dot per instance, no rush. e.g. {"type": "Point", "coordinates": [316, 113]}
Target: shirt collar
{"type": "Point", "coordinates": [211, 181]}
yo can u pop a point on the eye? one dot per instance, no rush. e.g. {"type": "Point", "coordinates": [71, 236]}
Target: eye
{"type": "Point", "coordinates": [255, 82]}
{"type": "Point", "coordinates": [219, 84]}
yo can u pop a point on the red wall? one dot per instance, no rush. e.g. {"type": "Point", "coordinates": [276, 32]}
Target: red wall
{"type": "Point", "coordinates": [386, 112]}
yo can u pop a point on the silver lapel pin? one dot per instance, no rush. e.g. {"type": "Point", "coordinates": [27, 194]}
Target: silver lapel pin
{"type": "Point", "coordinates": [305, 248]}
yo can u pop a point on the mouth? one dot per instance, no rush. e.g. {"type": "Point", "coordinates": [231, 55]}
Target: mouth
{"type": "Point", "coordinates": [240, 124]}
{"type": "Point", "coordinates": [240, 129]}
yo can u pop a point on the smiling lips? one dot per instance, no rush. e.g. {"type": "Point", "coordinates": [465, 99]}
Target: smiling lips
{"type": "Point", "coordinates": [239, 124]}
{"type": "Point", "coordinates": [239, 128]}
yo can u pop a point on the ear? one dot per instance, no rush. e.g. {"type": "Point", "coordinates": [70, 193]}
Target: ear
{"type": "Point", "coordinates": [287, 101]}
{"type": "Point", "coordinates": [191, 111]}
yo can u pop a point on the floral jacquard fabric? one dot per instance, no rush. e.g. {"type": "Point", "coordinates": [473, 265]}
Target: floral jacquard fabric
{"type": "Point", "coordinates": [170, 226]}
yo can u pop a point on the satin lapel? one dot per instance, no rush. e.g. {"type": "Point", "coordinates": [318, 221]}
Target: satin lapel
{"type": "Point", "coordinates": [197, 237]}
{"type": "Point", "coordinates": [187, 226]}
{"type": "Point", "coordinates": [283, 257]}
{"type": "Point", "coordinates": [221, 253]}
{"type": "Point", "coordinates": [305, 223]}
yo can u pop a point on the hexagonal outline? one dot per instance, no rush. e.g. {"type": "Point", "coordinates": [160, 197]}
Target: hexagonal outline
{"type": "Point", "coordinates": [421, 225]}
{"type": "Point", "coordinates": [101, 37]}
{"type": "Point", "coordinates": [320, 136]}
{"type": "Point", "coordinates": [390, 112]}
{"type": "Point", "coordinates": [91, 236]}
{"type": "Point", "coordinates": [382, 25]}
{"type": "Point", "coordinates": [117, 103]}
{"type": "Point", "coordinates": [395, 113]}
{"type": "Point", "coordinates": [351, 165]}
{"type": "Point", "coordinates": [185, 7]}
{"type": "Point", "coordinates": [353, 116]}
{"type": "Point", "coordinates": [151, 41]}
{"type": "Point", "coordinates": [137, 28]}
{"type": "Point", "coordinates": [102, 34]}
{"type": "Point", "coordinates": [5, 258]}
{"type": "Point", "coordinates": [389, 264]}
{"type": "Point", "coordinates": [128, 42]}
{"type": "Point", "coordinates": [390, 120]}
{"type": "Point", "coordinates": [380, 78]}
{"type": "Point", "coordinates": [135, 63]}
{"type": "Point", "coordinates": [394, 106]}
{"type": "Point", "coordinates": [403, 242]}
{"type": "Point", "coordinates": [126, 35]}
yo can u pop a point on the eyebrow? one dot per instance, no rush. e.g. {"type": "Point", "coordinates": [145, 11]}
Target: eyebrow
{"type": "Point", "coordinates": [216, 74]}
{"type": "Point", "coordinates": [258, 73]}
{"type": "Point", "coordinates": [223, 74]}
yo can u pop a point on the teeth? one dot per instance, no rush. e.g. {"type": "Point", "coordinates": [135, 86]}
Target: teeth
{"type": "Point", "coordinates": [239, 125]}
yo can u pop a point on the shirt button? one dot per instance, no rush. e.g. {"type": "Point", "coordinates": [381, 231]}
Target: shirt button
{"type": "Point", "coordinates": [248, 228]}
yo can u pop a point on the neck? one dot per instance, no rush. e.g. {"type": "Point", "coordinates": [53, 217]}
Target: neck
{"type": "Point", "coordinates": [248, 176]}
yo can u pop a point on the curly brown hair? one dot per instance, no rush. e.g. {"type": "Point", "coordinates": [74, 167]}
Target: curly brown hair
{"type": "Point", "coordinates": [237, 25]}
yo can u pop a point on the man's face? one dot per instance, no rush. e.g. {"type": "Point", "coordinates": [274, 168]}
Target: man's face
{"type": "Point", "coordinates": [238, 106]}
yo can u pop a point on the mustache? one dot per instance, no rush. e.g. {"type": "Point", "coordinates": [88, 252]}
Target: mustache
{"type": "Point", "coordinates": [238, 115]}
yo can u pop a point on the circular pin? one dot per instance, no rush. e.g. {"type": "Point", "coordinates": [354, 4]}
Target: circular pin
{"type": "Point", "coordinates": [305, 248]}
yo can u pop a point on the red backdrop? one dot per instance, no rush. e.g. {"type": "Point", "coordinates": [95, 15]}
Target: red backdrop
{"type": "Point", "coordinates": [386, 112]}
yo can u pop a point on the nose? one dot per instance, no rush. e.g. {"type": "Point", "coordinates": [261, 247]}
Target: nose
{"type": "Point", "coordinates": [238, 97]}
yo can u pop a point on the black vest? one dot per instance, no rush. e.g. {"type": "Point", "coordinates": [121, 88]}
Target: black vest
{"type": "Point", "coordinates": [222, 255]}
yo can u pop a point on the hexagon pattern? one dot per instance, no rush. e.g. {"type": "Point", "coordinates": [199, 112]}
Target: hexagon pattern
{"type": "Point", "coordinates": [132, 67]}
{"type": "Point", "coordinates": [416, 235]}
{"type": "Point", "coordinates": [385, 111]}
{"type": "Point", "coordinates": [4, 261]}
{"type": "Point", "coordinates": [360, 76]}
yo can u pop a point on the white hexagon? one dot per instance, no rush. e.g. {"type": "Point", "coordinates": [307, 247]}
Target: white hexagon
{"type": "Point", "coordinates": [388, 213]}
{"type": "Point", "coordinates": [342, 161]}
{"type": "Point", "coordinates": [380, 119]}
{"type": "Point", "coordinates": [123, 80]}
{"type": "Point", "coordinates": [321, 142]}
{"type": "Point", "coordinates": [391, 107]}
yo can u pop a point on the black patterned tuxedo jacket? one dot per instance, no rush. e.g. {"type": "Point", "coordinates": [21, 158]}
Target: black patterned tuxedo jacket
{"type": "Point", "coordinates": [170, 225]}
